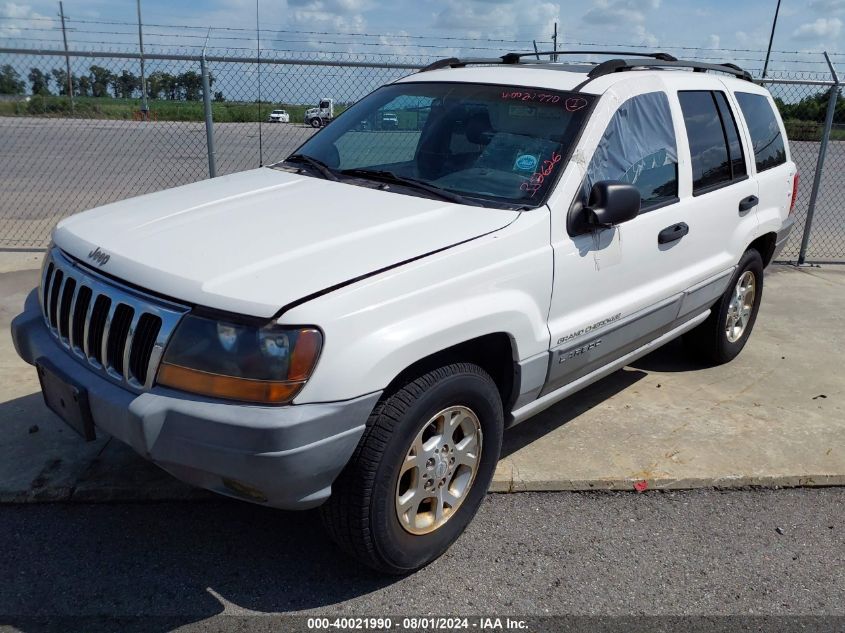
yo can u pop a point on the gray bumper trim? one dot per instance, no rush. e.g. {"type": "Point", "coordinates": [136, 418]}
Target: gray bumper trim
{"type": "Point", "coordinates": [783, 236]}
{"type": "Point", "coordinates": [290, 454]}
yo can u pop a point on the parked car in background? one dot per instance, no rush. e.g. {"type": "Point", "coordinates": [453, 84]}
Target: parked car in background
{"type": "Point", "coordinates": [389, 121]}
{"type": "Point", "coordinates": [278, 116]}
{"type": "Point", "coordinates": [355, 326]}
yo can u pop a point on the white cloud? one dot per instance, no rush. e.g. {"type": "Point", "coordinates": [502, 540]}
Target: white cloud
{"type": "Point", "coordinates": [714, 41]}
{"type": "Point", "coordinates": [337, 7]}
{"type": "Point", "coordinates": [499, 19]}
{"type": "Point", "coordinates": [626, 17]}
{"type": "Point", "coordinates": [24, 18]}
{"type": "Point", "coordinates": [822, 28]}
{"type": "Point", "coordinates": [830, 7]}
{"type": "Point", "coordinates": [619, 11]}
{"type": "Point", "coordinates": [343, 16]}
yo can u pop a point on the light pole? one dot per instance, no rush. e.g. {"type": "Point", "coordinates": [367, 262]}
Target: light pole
{"type": "Point", "coordinates": [771, 39]}
{"type": "Point", "coordinates": [144, 107]}
{"type": "Point", "coordinates": [67, 58]}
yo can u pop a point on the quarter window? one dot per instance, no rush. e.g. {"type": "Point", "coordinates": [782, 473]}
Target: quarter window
{"type": "Point", "coordinates": [769, 150]}
{"type": "Point", "coordinates": [715, 148]}
{"type": "Point", "coordinates": [638, 147]}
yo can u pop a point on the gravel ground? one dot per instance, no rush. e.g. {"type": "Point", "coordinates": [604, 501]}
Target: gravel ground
{"type": "Point", "coordinates": [776, 552]}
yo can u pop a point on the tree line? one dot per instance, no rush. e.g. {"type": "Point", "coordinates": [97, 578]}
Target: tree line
{"type": "Point", "coordinates": [101, 82]}
{"type": "Point", "coordinates": [812, 108]}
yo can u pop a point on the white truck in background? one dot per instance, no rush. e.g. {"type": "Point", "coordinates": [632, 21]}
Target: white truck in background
{"type": "Point", "coordinates": [321, 115]}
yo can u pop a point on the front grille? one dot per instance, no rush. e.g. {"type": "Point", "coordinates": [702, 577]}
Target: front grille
{"type": "Point", "coordinates": [117, 331]}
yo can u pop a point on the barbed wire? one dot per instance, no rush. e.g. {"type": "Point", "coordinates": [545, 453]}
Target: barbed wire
{"type": "Point", "coordinates": [397, 36]}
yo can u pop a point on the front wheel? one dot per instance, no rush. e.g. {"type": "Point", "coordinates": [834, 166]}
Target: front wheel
{"type": "Point", "coordinates": [420, 471]}
{"type": "Point", "coordinates": [316, 122]}
{"type": "Point", "coordinates": [722, 336]}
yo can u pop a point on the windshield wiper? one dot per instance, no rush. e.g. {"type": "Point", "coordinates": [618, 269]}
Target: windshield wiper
{"type": "Point", "coordinates": [389, 177]}
{"type": "Point", "coordinates": [314, 163]}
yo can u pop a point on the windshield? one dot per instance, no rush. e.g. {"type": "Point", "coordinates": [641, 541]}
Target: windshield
{"type": "Point", "coordinates": [493, 145]}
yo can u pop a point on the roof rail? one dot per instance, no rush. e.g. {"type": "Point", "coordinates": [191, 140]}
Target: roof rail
{"type": "Point", "coordinates": [514, 58]}
{"type": "Point", "coordinates": [642, 60]}
{"type": "Point", "coordinates": [619, 65]}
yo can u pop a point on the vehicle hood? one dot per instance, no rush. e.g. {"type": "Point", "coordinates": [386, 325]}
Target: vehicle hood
{"type": "Point", "coordinates": [256, 241]}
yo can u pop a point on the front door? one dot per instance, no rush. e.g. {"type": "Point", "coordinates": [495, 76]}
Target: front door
{"type": "Point", "coordinates": [617, 288]}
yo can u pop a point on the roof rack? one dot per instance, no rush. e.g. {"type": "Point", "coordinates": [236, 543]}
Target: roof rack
{"type": "Point", "coordinates": [515, 58]}
{"type": "Point", "coordinates": [641, 60]}
{"type": "Point", "coordinates": [618, 65]}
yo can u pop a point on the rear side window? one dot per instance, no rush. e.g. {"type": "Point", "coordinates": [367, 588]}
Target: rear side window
{"type": "Point", "coordinates": [638, 147]}
{"type": "Point", "coordinates": [715, 148]}
{"type": "Point", "coordinates": [769, 150]}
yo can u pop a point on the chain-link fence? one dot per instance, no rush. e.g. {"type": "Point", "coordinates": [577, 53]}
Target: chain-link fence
{"type": "Point", "coordinates": [61, 155]}
{"type": "Point", "coordinates": [813, 111]}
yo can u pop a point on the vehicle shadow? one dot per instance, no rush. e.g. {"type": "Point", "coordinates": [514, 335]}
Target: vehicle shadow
{"type": "Point", "coordinates": [568, 409]}
{"type": "Point", "coordinates": [670, 358]}
{"type": "Point", "coordinates": [158, 566]}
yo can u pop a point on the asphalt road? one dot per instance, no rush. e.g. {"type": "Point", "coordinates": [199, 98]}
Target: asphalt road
{"type": "Point", "coordinates": [51, 168]}
{"type": "Point", "coordinates": [778, 552]}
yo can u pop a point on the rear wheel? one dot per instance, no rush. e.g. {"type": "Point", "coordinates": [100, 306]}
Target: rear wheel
{"type": "Point", "coordinates": [722, 336]}
{"type": "Point", "coordinates": [420, 471]}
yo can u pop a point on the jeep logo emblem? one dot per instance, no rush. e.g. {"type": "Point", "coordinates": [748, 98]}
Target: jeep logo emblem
{"type": "Point", "coordinates": [99, 257]}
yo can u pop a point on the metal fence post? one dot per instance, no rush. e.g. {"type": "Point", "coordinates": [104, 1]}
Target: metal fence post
{"type": "Point", "coordinates": [209, 120]}
{"type": "Point", "coordinates": [817, 178]}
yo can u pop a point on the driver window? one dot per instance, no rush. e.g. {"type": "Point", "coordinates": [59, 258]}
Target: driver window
{"type": "Point", "coordinates": [638, 147]}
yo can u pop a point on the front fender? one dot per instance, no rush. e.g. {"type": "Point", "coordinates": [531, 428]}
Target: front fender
{"type": "Point", "coordinates": [379, 326]}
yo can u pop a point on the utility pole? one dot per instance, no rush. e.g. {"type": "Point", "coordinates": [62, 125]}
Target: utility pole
{"type": "Point", "coordinates": [67, 58]}
{"type": "Point", "coordinates": [209, 117]}
{"type": "Point", "coordinates": [554, 41]}
{"type": "Point", "coordinates": [144, 107]}
{"type": "Point", "coordinates": [771, 39]}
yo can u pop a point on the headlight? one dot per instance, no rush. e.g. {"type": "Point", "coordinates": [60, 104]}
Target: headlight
{"type": "Point", "coordinates": [267, 364]}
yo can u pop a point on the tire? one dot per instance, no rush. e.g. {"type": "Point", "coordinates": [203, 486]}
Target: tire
{"type": "Point", "coordinates": [711, 341]}
{"type": "Point", "coordinates": [362, 515]}
{"type": "Point", "coordinates": [316, 122]}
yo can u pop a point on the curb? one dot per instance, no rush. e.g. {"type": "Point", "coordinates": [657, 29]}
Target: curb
{"type": "Point", "coordinates": [162, 487]}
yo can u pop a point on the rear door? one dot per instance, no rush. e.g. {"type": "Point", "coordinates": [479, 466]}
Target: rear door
{"type": "Point", "coordinates": [769, 159]}
{"type": "Point", "coordinates": [724, 198]}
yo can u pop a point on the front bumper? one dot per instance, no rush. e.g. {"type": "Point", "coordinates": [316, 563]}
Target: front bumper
{"type": "Point", "coordinates": [783, 236]}
{"type": "Point", "coordinates": [285, 457]}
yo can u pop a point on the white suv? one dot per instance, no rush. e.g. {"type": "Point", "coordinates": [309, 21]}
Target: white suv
{"type": "Point", "coordinates": [355, 326]}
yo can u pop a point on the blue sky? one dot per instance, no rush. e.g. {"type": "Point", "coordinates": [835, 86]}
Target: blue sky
{"type": "Point", "coordinates": [805, 25]}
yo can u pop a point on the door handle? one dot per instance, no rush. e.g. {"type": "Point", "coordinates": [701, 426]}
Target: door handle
{"type": "Point", "coordinates": [672, 233]}
{"type": "Point", "coordinates": [748, 203]}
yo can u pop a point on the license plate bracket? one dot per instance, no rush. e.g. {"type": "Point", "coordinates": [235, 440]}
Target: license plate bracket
{"type": "Point", "coordinates": [66, 398]}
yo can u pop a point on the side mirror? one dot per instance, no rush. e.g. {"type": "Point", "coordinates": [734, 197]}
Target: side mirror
{"type": "Point", "coordinates": [611, 203]}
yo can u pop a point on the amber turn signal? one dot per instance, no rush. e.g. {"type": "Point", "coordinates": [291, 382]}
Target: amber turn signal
{"type": "Point", "coordinates": [227, 387]}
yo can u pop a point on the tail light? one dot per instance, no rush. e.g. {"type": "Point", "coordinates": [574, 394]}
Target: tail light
{"type": "Point", "coordinates": [795, 180]}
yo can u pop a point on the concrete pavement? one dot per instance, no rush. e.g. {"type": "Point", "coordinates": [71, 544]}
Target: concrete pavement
{"type": "Point", "coordinates": [773, 417]}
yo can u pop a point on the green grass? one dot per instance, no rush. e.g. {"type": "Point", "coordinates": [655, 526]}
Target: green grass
{"type": "Point", "coordinates": [798, 130]}
{"type": "Point", "coordinates": [162, 110]}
